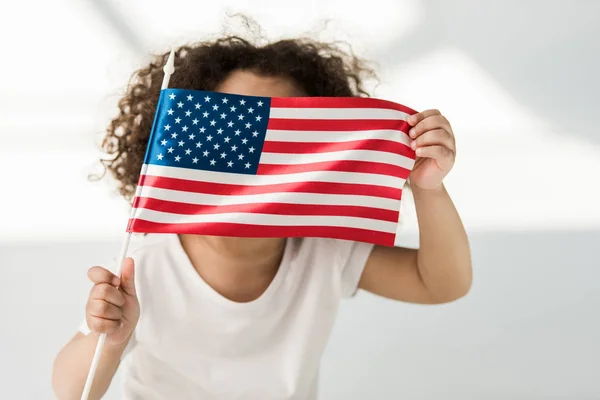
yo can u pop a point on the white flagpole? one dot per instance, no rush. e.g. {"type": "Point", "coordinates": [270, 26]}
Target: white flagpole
{"type": "Point", "coordinates": [168, 69]}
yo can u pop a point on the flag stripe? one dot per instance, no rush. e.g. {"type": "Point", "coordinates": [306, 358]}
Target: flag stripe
{"type": "Point", "coordinates": [322, 147]}
{"type": "Point", "coordinates": [263, 180]}
{"type": "Point", "coordinates": [337, 102]}
{"type": "Point", "coordinates": [345, 166]}
{"type": "Point", "coordinates": [225, 189]}
{"type": "Point", "coordinates": [336, 125]}
{"type": "Point", "coordinates": [337, 113]}
{"type": "Point", "coordinates": [267, 220]}
{"type": "Point", "coordinates": [266, 208]}
{"type": "Point", "coordinates": [363, 156]}
{"type": "Point", "coordinates": [289, 198]}
{"type": "Point", "coordinates": [264, 231]}
{"type": "Point", "coordinates": [283, 135]}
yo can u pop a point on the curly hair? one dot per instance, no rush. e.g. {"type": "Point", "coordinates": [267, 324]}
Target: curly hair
{"type": "Point", "coordinates": [319, 69]}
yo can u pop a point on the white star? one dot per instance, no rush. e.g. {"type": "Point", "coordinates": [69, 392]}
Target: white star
{"type": "Point", "coordinates": [170, 112]}
{"type": "Point", "coordinates": [205, 114]}
{"type": "Point", "coordinates": [212, 162]}
{"type": "Point", "coordinates": [163, 142]}
{"type": "Point", "coordinates": [188, 152]}
{"type": "Point", "coordinates": [202, 129]}
{"type": "Point", "coordinates": [237, 132]}
{"type": "Point", "coordinates": [223, 116]}
{"type": "Point", "coordinates": [195, 160]}
{"type": "Point", "coordinates": [244, 141]}
{"type": "Point", "coordinates": [170, 149]}
{"type": "Point", "coordinates": [188, 113]}
{"type": "Point", "coordinates": [198, 105]}
{"type": "Point", "coordinates": [185, 128]}
{"type": "Point", "coordinates": [232, 108]}
{"type": "Point", "coordinates": [167, 127]}
{"type": "Point", "coordinates": [230, 164]}
{"type": "Point", "coordinates": [192, 136]}
{"type": "Point", "coordinates": [227, 139]}
{"type": "Point", "coordinates": [205, 154]}
{"type": "Point", "coordinates": [223, 155]}
{"type": "Point", "coordinates": [217, 146]}
{"type": "Point", "coordinates": [199, 144]}
{"type": "Point", "coordinates": [242, 102]}
{"type": "Point", "coordinates": [219, 131]}
{"type": "Point", "coordinates": [251, 149]}
{"type": "Point", "coordinates": [207, 99]}
{"type": "Point", "coordinates": [234, 148]}
{"type": "Point", "coordinates": [215, 107]}
{"type": "Point", "coordinates": [195, 121]}
{"type": "Point", "coordinates": [180, 104]}
{"type": "Point", "coordinates": [181, 143]}
{"type": "Point", "coordinates": [248, 125]}
{"type": "Point", "coordinates": [177, 158]}
{"type": "Point", "coordinates": [172, 96]}
{"type": "Point", "coordinates": [174, 135]}
{"type": "Point", "coordinates": [251, 110]}
{"type": "Point", "coordinates": [241, 157]}
{"type": "Point", "coordinates": [258, 117]}
{"type": "Point", "coordinates": [177, 120]}
{"type": "Point", "coordinates": [209, 138]}
{"type": "Point", "coordinates": [213, 122]}
{"type": "Point", "coordinates": [247, 165]}
{"type": "Point", "coordinates": [254, 134]}
{"type": "Point", "coordinates": [190, 97]}
{"type": "Point", "coordinates": [159, 157]}
{"type": "Point", "coordinates": [260, 103]}
{"type": "Point", "coordinates": [241, 117]}
{"type": "Point", "coordinates": [225, 100]}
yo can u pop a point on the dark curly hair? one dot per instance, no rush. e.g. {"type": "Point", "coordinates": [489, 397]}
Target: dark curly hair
{"type": "Point", "coordinates": [319, 69]}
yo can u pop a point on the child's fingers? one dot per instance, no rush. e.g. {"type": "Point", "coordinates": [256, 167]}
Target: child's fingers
{"type": "Point", "coordinates": [429, 124]}
{"type": "Point", "coordinates": [102, 275]}
{"type": "Point", "coordinates": [434, 137]}
{"type": "Point", "coordinates": [103, 309]}
{"type": "Point", "coordinates": [442, 155]}
{"type": "Point", "coordinates": [108, 293]}
{"type": "Point", "coordinates": [101, 325]}
{"type": "Point", "coordinates": [418, 117]}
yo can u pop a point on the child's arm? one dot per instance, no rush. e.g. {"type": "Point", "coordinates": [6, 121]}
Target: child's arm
{"type": "Point", "coordinates": [109, 310]}
{"type": "Point", "coordinates": [73, 363]}
{"type": "Point", "coordinates": [440, 271]}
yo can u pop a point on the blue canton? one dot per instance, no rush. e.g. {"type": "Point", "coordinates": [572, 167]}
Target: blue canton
{"type": "Point", "coordinates": [208, 131]}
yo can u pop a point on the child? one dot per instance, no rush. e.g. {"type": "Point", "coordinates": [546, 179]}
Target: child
{"type": "Point", "coordinates": [237, 318]}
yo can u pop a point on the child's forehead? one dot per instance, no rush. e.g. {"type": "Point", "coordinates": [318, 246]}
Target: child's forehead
{"type": "Point", "coordinates": [254, 84]}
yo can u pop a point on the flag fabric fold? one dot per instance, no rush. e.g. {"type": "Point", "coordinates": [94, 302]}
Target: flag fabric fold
{"type": "Point", "coordinates": [244, 166]}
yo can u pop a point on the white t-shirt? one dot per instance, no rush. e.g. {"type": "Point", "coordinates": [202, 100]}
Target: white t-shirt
{"type": "Point", "coordinates": [193, 343]}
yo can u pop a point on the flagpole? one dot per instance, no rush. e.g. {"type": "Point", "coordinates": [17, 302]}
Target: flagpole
{"type": "Point", "coordinates": [168, 69]}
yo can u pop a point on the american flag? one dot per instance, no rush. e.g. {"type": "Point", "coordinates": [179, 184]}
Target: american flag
{"type": "Point", "coordinates": [245, 166]}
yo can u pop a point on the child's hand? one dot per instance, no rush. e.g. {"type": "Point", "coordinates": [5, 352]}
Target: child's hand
{"type": "Point", "coordinates": [435, 148]}
{"type": "Point", "coordinates": [110, 310]}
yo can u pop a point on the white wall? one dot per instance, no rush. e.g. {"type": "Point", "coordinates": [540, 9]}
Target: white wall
{"type": "Point", "coordinates": [519, 82]}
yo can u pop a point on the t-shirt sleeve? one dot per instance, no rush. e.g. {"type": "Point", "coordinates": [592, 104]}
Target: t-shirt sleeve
{"type": "Point", "coordinates": [353, 257]}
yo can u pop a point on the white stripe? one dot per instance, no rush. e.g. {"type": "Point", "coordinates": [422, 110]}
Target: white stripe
{"type": "Point", "coordinates": [262, 180]}
{"type": "Point", "coordinates": [337, 113]}
{"type": "Point", "coordinates": [343, 155]}
{"type": "Point", "coordinates": [276, 135]}
{"type": "Point", "coordinates": [267, 219]}
{"type": "Point", "coordinates": [279, 197]}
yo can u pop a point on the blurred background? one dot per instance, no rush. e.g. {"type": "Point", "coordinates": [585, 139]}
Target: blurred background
{"type": "Point", "coordinates": [519, 80]}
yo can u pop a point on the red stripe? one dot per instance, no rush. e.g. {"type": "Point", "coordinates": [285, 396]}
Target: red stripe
{"type": "Point", "coordinates": [337, 102]}
{"type": "Point", "coordinates": [368, 167]}
{"type": "Point", "coordinates": [387, 146]}
{"type": "Point", "coordinates": [223, 189]}
{"type": "Point", "coordinates": [337, 124]}
{"type": "Point", "coordinates": [267, 208]}
{"type": "Point", "coordinates": [264, 231]}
